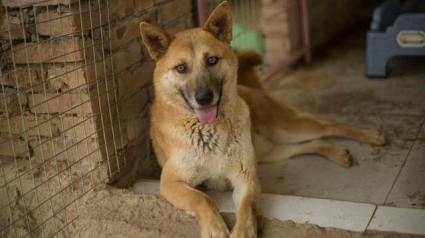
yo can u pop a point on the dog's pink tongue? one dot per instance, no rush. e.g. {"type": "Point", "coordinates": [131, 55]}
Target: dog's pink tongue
{"type": "Point", "coordinates": [206, 115]}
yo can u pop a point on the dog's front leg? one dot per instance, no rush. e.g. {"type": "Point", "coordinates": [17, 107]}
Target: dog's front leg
{"type": "Point", "coordinates": [182, 196]}
{"type": "Point", "coordinates": [246, 195]}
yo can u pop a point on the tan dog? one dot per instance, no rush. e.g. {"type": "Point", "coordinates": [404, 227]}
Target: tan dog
{"type": "Point", "coordinates": [201, 123]}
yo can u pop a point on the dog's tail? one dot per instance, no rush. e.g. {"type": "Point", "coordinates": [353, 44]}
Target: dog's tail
{"type": "Point", "coordinates": [249, 58]}
{"type": "Point", "coordinates": [247, 73]}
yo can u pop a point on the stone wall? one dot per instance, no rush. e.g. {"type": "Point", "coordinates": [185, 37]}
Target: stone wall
{"type": "Point", "coordinates": [75, 90]}
{"type": "Point", "coordinates": [57, 112]}
{"type": "Point", "coordinates": [59, 89]}
{"type": "Point", "coordinates": [276, 29]}
{"type": "Point", "coordinates": [52, 77]}
{"type": "Point", "coordinates": [133, 70]}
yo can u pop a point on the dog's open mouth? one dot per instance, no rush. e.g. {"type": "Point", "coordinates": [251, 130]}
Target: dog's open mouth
{"type": "Point", "coordinates": [207, 115]}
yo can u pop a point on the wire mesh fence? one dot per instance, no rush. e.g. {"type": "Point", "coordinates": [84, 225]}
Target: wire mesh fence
{"type": "Point", "coordinates": [60, 132]}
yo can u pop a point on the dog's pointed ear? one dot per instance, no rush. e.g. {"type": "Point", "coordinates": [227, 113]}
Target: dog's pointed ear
{"type": "Point", "coordinates": [220, 23]}
{"type": "Point", "coordinates": [155, 39]}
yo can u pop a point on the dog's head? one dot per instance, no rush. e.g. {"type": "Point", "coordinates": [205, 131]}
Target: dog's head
{"type": "Point", "coordinates": [194, 66]}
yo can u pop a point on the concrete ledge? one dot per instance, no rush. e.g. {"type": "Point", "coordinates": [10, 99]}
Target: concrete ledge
{"type": "Point", "coordinates": [345, 215]}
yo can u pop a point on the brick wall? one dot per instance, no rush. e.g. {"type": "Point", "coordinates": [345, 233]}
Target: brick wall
{"type": "Point", "coordinates": [75, 91]}
{"type": "Point", "coordinates": [59, 89]}
{"type": "Point", "coordinates": [51, 75]}
{"type": "Point", "coordinates": [276, 32]}
{"type": "Point", "coordinates": [133, 69]}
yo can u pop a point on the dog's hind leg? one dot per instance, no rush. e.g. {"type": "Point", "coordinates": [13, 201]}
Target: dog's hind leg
{"type": "Point", "coordinates": [276, 120]}
{"type": "Point", "coordinates": [278, 152]}
{"type": "Point", "coordinates": [304, 127]}
{"type": "Point", "coordinates": [366, 135]}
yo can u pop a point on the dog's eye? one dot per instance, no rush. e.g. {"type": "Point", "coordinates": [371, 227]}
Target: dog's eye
{"type": "Point", "coordinates": [181, 68]}
{"type": "Point", "coordinates": [212, 61]}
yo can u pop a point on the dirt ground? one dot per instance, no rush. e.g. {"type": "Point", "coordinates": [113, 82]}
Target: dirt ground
{"type": "Point", "coordinates": [40, 197]}
{"type": "Point", "coordinates": [111, 212]}
{"type": "Point", "coordinates": [121, 213]}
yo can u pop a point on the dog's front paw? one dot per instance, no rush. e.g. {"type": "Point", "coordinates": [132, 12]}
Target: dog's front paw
{"type": "Point", "coordinates": [213, 226]}
{"type": "Point", "coordinates": [244, 231]}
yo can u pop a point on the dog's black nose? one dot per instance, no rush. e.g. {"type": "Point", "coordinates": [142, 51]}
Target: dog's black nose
{"type": "Point", "coordinates": [204, 98]}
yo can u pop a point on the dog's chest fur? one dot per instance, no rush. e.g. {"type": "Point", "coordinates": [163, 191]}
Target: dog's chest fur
{"type": "Point", "coordinates": [214, 139]}
{"type": "Point", "coordinates": [203, 138]}
{"type": "Point", "coordinates": [209, 151]}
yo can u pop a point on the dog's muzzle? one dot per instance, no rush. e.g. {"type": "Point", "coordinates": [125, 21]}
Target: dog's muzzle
{"type": "Point", "coordinates": [205, 112]}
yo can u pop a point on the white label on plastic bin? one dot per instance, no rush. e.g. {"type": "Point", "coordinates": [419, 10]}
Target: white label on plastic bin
{"type": "Point", "coordinates": [409, 39]}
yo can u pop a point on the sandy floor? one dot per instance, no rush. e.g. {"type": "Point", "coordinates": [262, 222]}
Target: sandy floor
{"type": "Point", "coordinates": [116, 213]}
{"type": "Point", "coordinates": [49, 207]}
